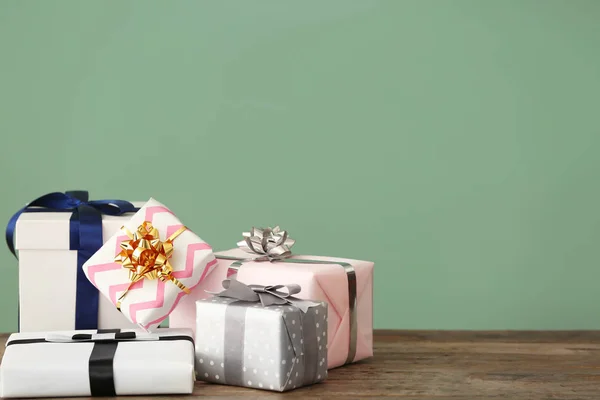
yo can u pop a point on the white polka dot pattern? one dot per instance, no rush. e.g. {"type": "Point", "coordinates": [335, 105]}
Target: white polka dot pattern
{"type": "Point", "coordinates": [271, 333]}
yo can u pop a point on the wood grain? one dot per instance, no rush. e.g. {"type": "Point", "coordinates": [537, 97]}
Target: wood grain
{"type": "Point", "coordinates": [428, 365]}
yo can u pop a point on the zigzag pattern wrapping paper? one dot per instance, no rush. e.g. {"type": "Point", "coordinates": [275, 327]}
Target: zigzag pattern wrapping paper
{"type": "Point", "coordinates": [149, 302]}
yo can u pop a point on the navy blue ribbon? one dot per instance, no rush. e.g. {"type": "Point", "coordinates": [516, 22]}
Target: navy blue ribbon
{"type": "Point", "coordinates": [85, 236]}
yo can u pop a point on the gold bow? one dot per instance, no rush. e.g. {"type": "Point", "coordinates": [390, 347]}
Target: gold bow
{"type": "Point", "coordinates": [146, 256]}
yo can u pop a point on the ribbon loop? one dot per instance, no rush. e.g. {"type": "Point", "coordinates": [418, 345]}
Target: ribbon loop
{"type": "Point", "coordinates": [237, 290]}
{"type": "Point", "coordinates": [289, 290]}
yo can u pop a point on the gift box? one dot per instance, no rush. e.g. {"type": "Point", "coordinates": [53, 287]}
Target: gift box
{"type": "Point", "coordinates": [149, 265]}
{"type": "Point", "coordinates": [261, 337]}
{"type": "Point", "coordinates": [265, 257]}
{"type": "Point", "coordinates": [97, 363]}
{"type": "Point", "coordinates": [54, 235]}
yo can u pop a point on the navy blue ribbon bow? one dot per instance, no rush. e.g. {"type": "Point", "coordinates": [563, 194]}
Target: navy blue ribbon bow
{"type": "Point", "coordinates": [85, 237]}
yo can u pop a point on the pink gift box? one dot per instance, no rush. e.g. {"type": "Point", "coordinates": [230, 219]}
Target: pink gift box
{"type": "Point", "coordinates": [149, 301]}
{"type": "Point", "coordinates": [325, 282]}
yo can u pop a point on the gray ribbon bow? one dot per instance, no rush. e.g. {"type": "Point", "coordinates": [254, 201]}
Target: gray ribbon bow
{"type": "Point", "coordinates": [267, 295]}
{"type": "Point", "coordinates": [268, 243]}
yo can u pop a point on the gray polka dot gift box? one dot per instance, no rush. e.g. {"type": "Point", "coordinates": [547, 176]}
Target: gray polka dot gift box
{"type": "Point", "coordinates": [261, 337]}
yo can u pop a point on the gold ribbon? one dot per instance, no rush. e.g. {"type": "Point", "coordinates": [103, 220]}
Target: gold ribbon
{"type": "Point", "coordinates": [147, 257]}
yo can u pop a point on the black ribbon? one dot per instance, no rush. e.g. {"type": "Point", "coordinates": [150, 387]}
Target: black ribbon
{"type": "Point", "coordinates": [119, 336]}
{"type": "Point", "coordinates": [102, 377]}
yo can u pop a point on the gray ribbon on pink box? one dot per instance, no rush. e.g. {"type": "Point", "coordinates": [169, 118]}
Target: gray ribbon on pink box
{"type": "Point", "coordinates": [274, 245]}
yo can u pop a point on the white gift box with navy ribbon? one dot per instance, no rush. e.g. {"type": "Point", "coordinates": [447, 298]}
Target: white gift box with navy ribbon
{"type": "Point", "coordinates": [48, 273]}
{"type": "Point", "coordinates": [98, 363]}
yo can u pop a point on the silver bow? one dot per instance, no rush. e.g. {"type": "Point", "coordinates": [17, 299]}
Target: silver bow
{"type": "Point", "coordinates": [270, 244]}
{"type": "Point", "coordinates": [267, 295]}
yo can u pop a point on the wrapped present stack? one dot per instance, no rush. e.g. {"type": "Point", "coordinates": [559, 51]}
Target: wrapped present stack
{"type": "Point", "coordinates": [256, 316]}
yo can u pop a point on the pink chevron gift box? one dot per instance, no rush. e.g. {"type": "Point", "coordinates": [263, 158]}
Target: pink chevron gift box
{"type": "Point", "coordinates": [321, 278]}
{"type": "Point", "coordinates": [147, 267]}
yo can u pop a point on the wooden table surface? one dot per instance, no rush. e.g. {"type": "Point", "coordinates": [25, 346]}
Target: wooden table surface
{"type": "Point", "coordinates": [455, 365]}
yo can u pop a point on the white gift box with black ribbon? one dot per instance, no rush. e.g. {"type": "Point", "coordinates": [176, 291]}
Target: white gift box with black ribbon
{"type": "Point", "coordinates": [98, 363]}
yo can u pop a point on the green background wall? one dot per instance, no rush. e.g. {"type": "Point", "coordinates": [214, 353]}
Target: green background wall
{"type": "Point", "coordinates": [455, 143]}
